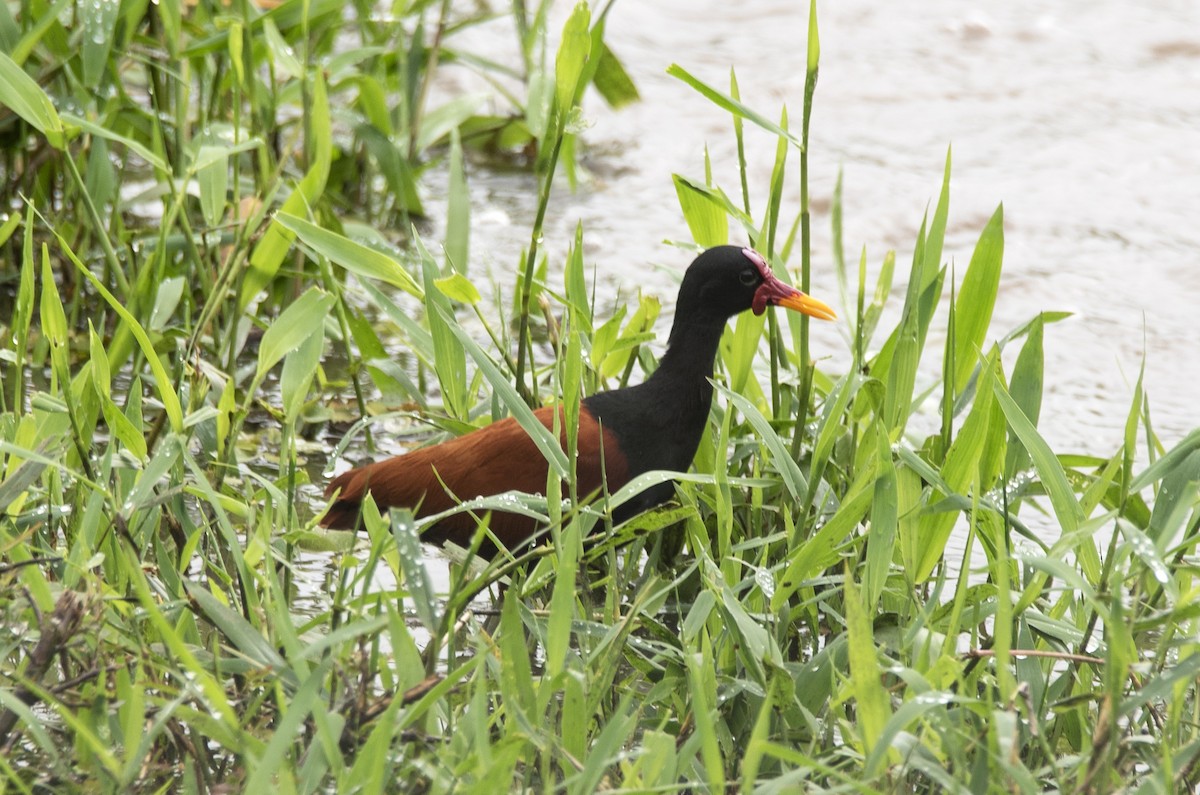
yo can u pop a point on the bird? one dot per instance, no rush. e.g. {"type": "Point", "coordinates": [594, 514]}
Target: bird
{"type": "Point", "coordinates": [654, 425]}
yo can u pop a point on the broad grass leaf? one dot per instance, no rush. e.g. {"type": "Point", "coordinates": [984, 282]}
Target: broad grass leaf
{"type": "Point", "coordinates": [739, 348]}
{"type": "Point", "coordinates": [360, 260]}
{"type": "Point", "coordinates": [932, 243]}
{"type": "Point", "coordinates": [573, 51]}
{"type": "Point", "coordinates": [299, 368]}
{"type": "Point", "coordinates": [516, 677]}
{"type": "Point", "coordinates": [54, 319]}
{"type": "Point", "coordinates": [419, 340]}
{"type": "Point", "coordinates": [704, 215]}
{"type": "Point", "coordinates": [539, 102]}
{"type": "Point", "coordinates": [24, 97]}
{"type": "Point", "coordinates": [99, 131]}
{"type": "Point", "coordinates": [280, 51]}
{"type": "Point", "coordinates": [1025, 386]}
{"type": "Point", "coordinates": [605, 337]}
{"type": "Point", "coordinates": [1166, 463]}
{"type": "Point", "coordinates": [459, 288]}
{"type": "Point", "coordinates": [213, 181]}
{"type": "Point", "coordinates": [450, 359]}
{"type": "Point", "coordinates": [9, 226]}
{"type": "Point", "coordinates": [718, 196]}
{"type": "Point", "coordinates": [562, 611]}
{"type": "Point", "coordinates": [395, 167]}
{"type": "Point", "coordinates": [906, 716]}
{"type": "Point", "coordinates": [442, 121]}
{"type": "Point", "coordinates": [21, 473]}
{"type": "Point", "coordinates": [302, 319]}
{"type": "Point", "coordinates": [959, 471]}
{"type": "Point", "coordinates": [831, 425]}
{"type": "Point", "coordinates": [612, 81]}
{"type": "Point", "coordinates": [824, 547]}
{"type": "Point", "coordinates": [243, 636]}
{"type": "Point", "coordinates": [814, 40]}
{"type": "Point", "coordinates": [270, 772]}
{"type": "Point", "coordinates": [608, 748]}
{"type": "Point", "coordinates": [637, 332]}
{"type": "Point", "coordinates": [1132, 421]}
{"type": "Point", "coordinates": [1149, 550]}
{"type": "Point", "coordinates": [977, 299]}
{"type": "Point", "coordinates": [775, 194]}
{"type": "Point", "coordinates": [99, 20]}
{"type": "Point", "coordinates": [166, 300]}
{"type": "Point", "coordinates": [1176, 499]}
{"type": "Point", "coordinates": [575, 284]}
{"type": "Point", "coordinates": [702, 690]}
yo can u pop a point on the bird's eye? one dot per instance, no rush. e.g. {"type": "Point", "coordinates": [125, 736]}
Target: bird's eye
{"type": "Point", "coordinates": [748, 277]}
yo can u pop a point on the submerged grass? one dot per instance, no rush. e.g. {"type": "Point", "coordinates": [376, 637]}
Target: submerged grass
{"type": "Point", "coordinates": [195, 190]}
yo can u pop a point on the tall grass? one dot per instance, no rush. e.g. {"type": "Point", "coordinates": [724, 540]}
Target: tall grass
{"type": "Point", "coordinates": [195, 190]}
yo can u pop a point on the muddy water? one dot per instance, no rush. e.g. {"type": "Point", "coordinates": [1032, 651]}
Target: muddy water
{"type": "Point", "coordinates": [1083, 118]}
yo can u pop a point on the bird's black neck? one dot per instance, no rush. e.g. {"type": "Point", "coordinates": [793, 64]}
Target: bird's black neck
{"type": "Point", "coordinates": [688, 363]}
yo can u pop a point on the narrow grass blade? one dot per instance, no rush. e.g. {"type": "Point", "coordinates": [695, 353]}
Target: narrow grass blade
{"type": "Point", "coordinates": [507, 394]}
{"type": "Point", "coordinates": [458, 211]}
{"type": "Point", "coordinates": [269, 253]}
{"type": "Point", "coordinates": [884, 519]}
{"type": "Point", "coordinates": [731, 105]}
{"type": "Point", "coordinates": [789, 470]}
{"type": "Point", "coordinates": [163, 383]}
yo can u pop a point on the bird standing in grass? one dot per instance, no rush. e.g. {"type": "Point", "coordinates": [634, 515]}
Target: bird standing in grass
{"type": "Point", "coordinates": [622, 434]}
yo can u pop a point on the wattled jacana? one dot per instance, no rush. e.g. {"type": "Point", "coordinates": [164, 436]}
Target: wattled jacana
{"type": "Point", "coordinates": [654, 425]}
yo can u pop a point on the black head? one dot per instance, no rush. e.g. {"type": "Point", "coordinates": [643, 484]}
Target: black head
{"type": "Point", "coordinates": [727, 280]}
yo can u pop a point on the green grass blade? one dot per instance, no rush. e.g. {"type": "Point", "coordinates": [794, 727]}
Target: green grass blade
{"type": "Point", "coordinates": [977, 298]}
{"type": "Point", "coordinates": [507, 394]}
{"type": "Point", "coordinates": [789, 470]}
{"type": "Point", "coordinates": [731, 105]}
{"type": "Point", "coordinates": [20, 93]}
{"type": "Point", "coordinates": [1050, 471]}
{"type": "Point", "coordinates": [705, 216]}
{"type": "Point", "coordinates": [269, 253]}
{"type": "Point", "coordinates": [304, 317]}
{"type": "Point", "coordinates": [360, 260]}
{"type": "Point", "coordinates": [458, 211]}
